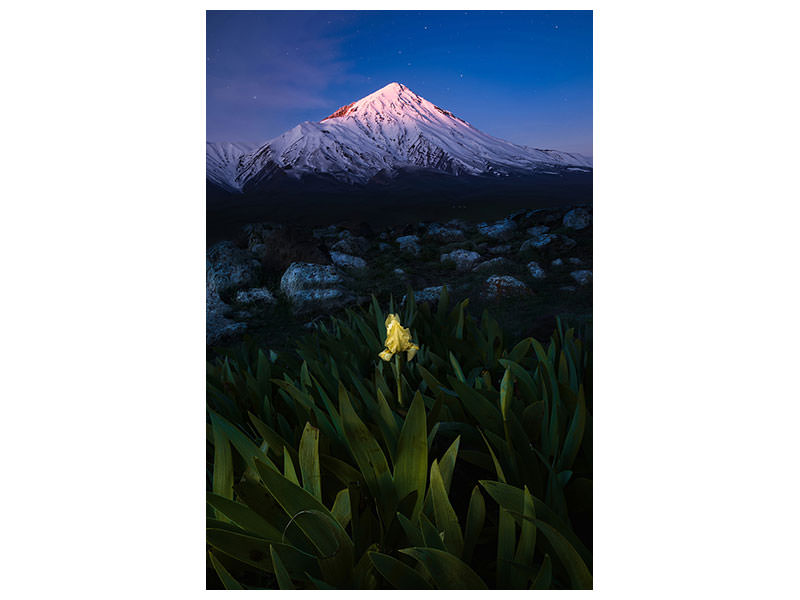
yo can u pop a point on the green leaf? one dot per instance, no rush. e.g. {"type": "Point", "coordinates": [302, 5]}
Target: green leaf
{"type": "Point", "coordinates": [369, 457]}
{"type": "Point", "coordinates": [448, 463]}
{"type": "Point", "coordinates": [309, 461]}
{"type": "Point", "coordinates": [430, 534]}
{"type": "Point", "coordinates": [334, 547]}
{"type": "Point", "coordinates": [577, 570]}
{"type": "Point", "coordinates": [284, 581]}
{"type": "Point", "coordinates": [457, 367]}
{"type": "Point", "coordinates": [545, 575]}
{"type": "Point", "coordinates": [527, 540]}
{"type": "Point", "coordinates": [223, 464]}
{"type": "Point", "coordinates": [506, 388]}
{"type": "Point", "coordinates": [447, 571]}
{"type": "Point", "coordinates": [572, 441]}
{"type": "Point", "coordinates": [412, 533]}
{"type": "Point", "coordinates": [482, 410]}
{"type": "Point", "coordinates": [254, 551]}
{"type": "Point", "coordinates": [446, 519]}
{"type": "Point", "coordinates": [244, 517]}
{"type": "Point", "coordinates": [476, 516]}
{"type": "Point", "coordinates": [341, 507]}
{"type": "Point", "coordinates": [411, 466]}
{"type": "Point", "coordinates": [244, 445]}
{"type": "Point", "coordinates": [288, 467]}
{"type": "Point", "coordinates": [228, 581]}
{"type": "Point", "coordinates": [397, 573]}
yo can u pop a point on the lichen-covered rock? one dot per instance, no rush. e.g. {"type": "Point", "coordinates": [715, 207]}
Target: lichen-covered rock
{"type": "Point", "coordinates": [444, 234]}
{"type": "Point", "coordinates": [219, 328]}
{"type": "Point", "coordinates": [538, 230]}
{"type": "Point", "coordinates": [583, 277]}
{"type": "Point", "coordinates": [354, 246]}
{"type": "Point", "coordinates": [536, 270]}
{"type": "Point", "coordinates": [565, 242]}
{"type": "Point", "coordinates": [346, 261]}
{"type": "Point", "coordinates": [409, 243]}
{"type": "Point", "coordinates": [428, 294]}
{"type": "Point", "coordinates": [501, 230]}
{"type": "Point", "coordinates": [494, 265]}
{"type": "Point", "coordinates": [503, 286]}
{"type": "Point", "coordinates": [229, 268]}
{"type": "Point", "coordinates": [311, 287]}
{"type": "Point", "coordinates": [463, 259]}
{"type": "Point", "coordinates": [501, 249]}
{"type": "Point", "coordinates": [255, 296]}
{"type": "Point", "coordinates": [578, 218]}
{"type": "Point", "coordinates": [536, 242]}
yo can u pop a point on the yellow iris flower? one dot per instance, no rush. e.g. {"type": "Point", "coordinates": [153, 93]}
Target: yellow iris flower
{"type": "Point", "coordinates": [398, 339]}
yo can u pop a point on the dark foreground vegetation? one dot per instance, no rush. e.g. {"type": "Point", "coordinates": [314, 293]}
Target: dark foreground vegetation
{"type": "Point", "coordinates": [467, 467]}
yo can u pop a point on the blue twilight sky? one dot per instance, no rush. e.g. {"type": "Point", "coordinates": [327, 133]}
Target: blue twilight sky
{"type": "Point", "coordinates": [524, 76]}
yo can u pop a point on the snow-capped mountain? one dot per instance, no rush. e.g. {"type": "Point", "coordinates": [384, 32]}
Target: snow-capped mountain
{"type": "Point", "coordinates": [390, 130]}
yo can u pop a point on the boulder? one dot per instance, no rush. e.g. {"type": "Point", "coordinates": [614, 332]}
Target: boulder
{"type": "Point", "coordinates": [346, 261]}
{"type": "Point", "coordinates": [428, 294]}
{"type": "Point", "coordinates": [255, 296]}
{"type": "Point", "coordinates": [538, 230]}
{"type": "Point", "coordinates": [501, 230]}
{"type": "Point", "coordinates": [219, 328]}
{"type": "Point", "coordinates": [310, 287]}
{"type": "Point", "coordinates": [578, 218]}
{"type": "Point", "coordinates": [409, 243]}
{"type": "Point", "coordinates": [564, 242]}
{"type": "Point", "coordinates": [445, 234]}
{"type": "Point", "coordinates": [354, 246]}
{"type": "Point", "coordinates": [583, 277]}
{"type": "Point", "coordinates": [558, 262]}
{"type": "Point", "coordinates": [494, 265]}
{"type": "Point", "coordinates": [536, 270]}
{"type": "Point", "coordinates": [229, 268]}
{"type": "Point", "coordinates": [575, 261]}
{"type": "Point", "coordinates": [539, 241]}
{"type": "Point", "coordinates": [503, 286]}
{"type": "Point", "coordinates": [502, 249]}
{"type": "Point", "coordinates": [463, 259]}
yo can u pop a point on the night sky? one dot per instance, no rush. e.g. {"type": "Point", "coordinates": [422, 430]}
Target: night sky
{"type": "Point", "coordinates": [524, 76]}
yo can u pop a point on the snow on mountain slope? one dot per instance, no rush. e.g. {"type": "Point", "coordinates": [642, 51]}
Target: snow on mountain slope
{"type": "Point", "coordinates": [222, 162]}
{"type": "Point", "coordinates": [391, 129]}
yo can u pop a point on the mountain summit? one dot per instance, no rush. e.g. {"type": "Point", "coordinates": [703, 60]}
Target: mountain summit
{"type": "Point", "coordinates": [389, 131]}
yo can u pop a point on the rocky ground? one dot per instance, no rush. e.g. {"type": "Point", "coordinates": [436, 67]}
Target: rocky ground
{"type": "Point", "coordinates": [273, 280]}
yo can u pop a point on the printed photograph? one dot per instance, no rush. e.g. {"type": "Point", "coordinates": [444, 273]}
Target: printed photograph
{"type": "Point", "coordinates": [399, 299]}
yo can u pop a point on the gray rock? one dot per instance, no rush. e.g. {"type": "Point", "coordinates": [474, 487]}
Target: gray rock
{"type": "Point", "coordinates": [578, 218]}
{"type": "Point", "coordinates": [428, 294]}
{"type": "Point", "coordinates": [464, 259]}
{"type": "Point", "coordinates": [383, 246]}
{"type": "Point", "coordinates": [539, 241]}
{"type": "Point", "coordinates": [568, 288]}
{"type": "Point", "coordinates": [399, 272]}
{"type": "Point", "coordinates": [575, 261]}
{"type": "Point", "coordinates": [501, 230]}
{"type": "Point", "coordinates": [409, 243]}
{"type": "Point", "coordinates": [229, 268]}
{"type": "Point", "coordinates": [538, 230]}
{"type": "Point", "coordinates": [311, 287]}
{"type": "Point", "coordinates": [583, 277]}
{"type": "Point", "coordinates": [444, 234]}
{"type": "Point", "coordinates": [354, 246]}
{"type": "Point", "coordinates": [557, 263]}
{"type": "Point", "coordinates": [255, 296]}
{"type": "Point", "coordinates": [494, 265]}
{"type": "Point", "coordinates": [346, 261]}
{"type": "Point", "coordinates": [536, 270]}
{"type": "Point", "coordinates": [566, 243]}
{"type": "Point", "coordinates": [502, 249]}
{"type": "Point", "coordinates": [219, 328]}
{"type": "Point", "coordinates": [503, 286]}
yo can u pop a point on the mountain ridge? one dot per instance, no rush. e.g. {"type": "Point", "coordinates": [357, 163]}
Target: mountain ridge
{"type": "Point", "coordinates": [389, 131]}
